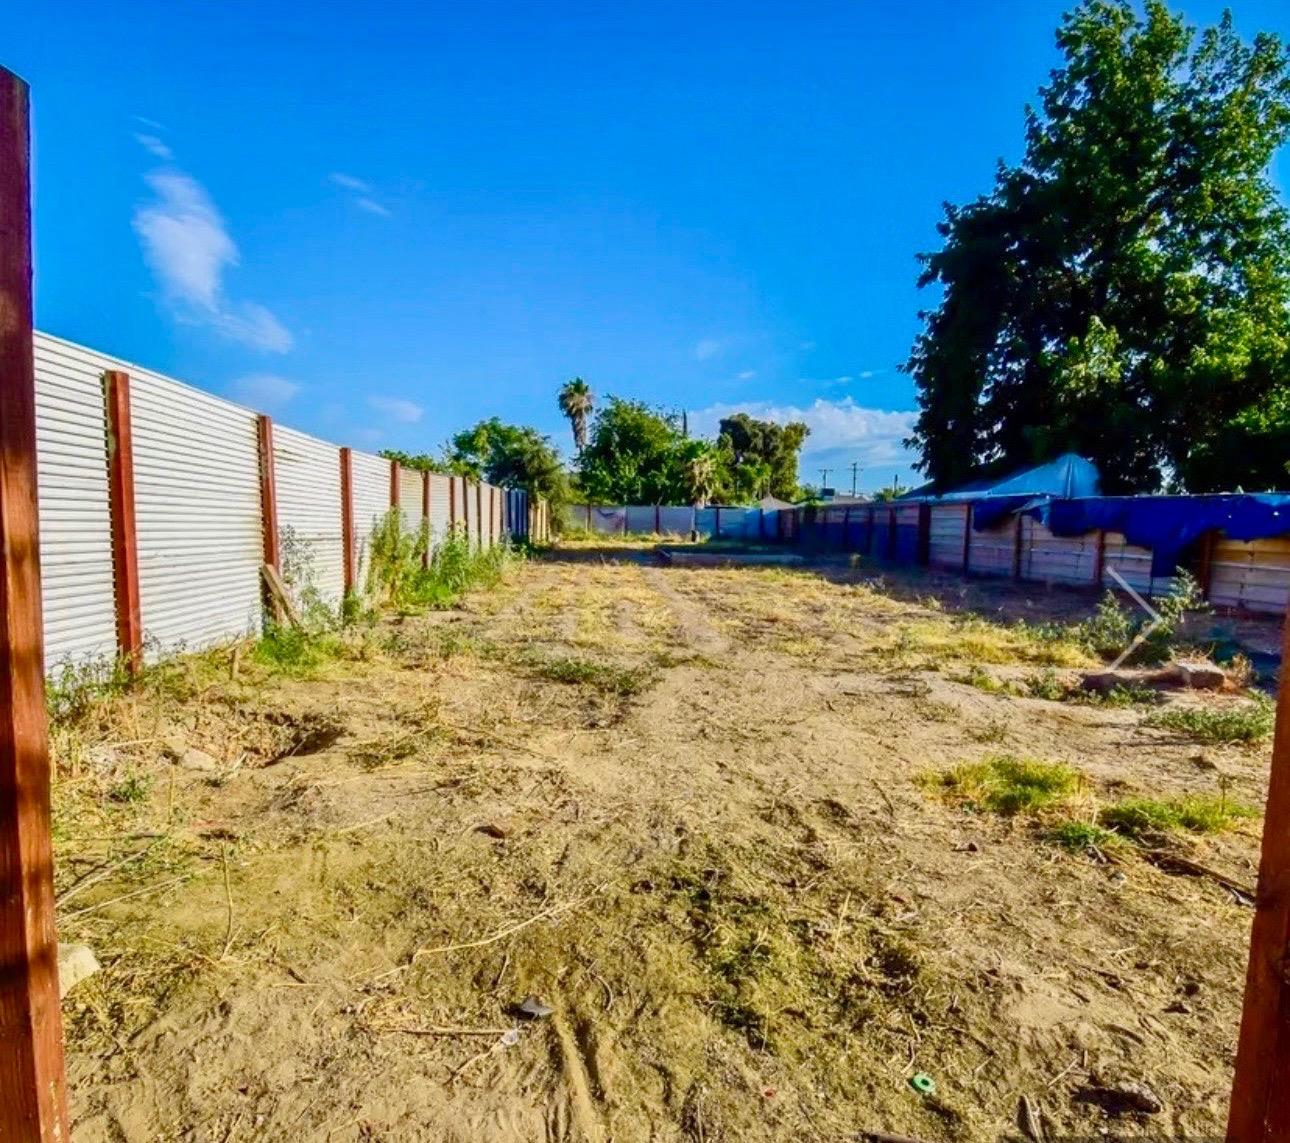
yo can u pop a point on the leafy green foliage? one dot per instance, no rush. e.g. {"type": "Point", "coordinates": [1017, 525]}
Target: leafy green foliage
{"type": "Point", "coordinates": [759, 458]}
{"type": "Point", "coordinates": [635, 456]}
{"type": "Point", "coordinates": [1112, 628]}
{"type": "Point", "coordinates": [513, 456]}
{"type": "Point", "coordinates": [1079, 835]}
{"type": "Point", "coordinates": [576, 402]}
{"type": "Point", "coordinates": [1247, 723]}
{"type": "Point", "coordinates": [1122, 292]}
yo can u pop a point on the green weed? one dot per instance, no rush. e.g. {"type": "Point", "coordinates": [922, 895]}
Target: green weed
{"type": "Point", "coordinates": [606, 677]}
{"type": "Point", "coordinates": [1250, 723]}
{"type": "Point", "coordinates": [1143, 818]}
{"type": "Point", "coordinates": [1008, 785]}
{"type": "Point", "coordinates": [1081, 835]}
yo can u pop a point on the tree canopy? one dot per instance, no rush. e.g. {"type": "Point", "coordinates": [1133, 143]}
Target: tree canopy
{"type": "Point", "coordinates": [639, 455]}
{"type": "Point", "coordinates": [515, 456]}
{"type": "Point", "coordinates": [576, 402]}
{"type": "Point", "coordinates": [1122, 292]}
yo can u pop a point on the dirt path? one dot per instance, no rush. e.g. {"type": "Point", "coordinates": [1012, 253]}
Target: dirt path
{"type": "Point", "coordinates": [682, 807]}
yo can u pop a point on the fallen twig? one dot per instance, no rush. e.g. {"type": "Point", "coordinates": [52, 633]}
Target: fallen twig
{"type": "Point", "coordinates": [500, 935]}
{"type": "Point", "coordinates": [101, 874]}
{"type": "Point", "coordinates": [228, 896]}
{"type": "Point", "coordinates": [1168, 857]}
{"type": "Point", "coordinates": [127, 896]}
{"type": "Point", "coordinates": [414, 1031]}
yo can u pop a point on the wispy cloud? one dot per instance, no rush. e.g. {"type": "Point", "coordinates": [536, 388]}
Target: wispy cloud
{"type": "Point", "coordinates": [707, 348]}
{"type": "Point", "coordinates": [747, 374]}
{"type": "Point", "coordinates": [397, 409]}
{"type": "Point", "coordinates": [362, 193]}
{"type": "Point", "coordinates": [154, 146]}
{"type": "Point", "coordinates": [265, 391]}
{"type": "Point", "coordinates": [350, 182]}
{"type": "Point", "coordinates": [842, 432]}
{"type": "Point", "coordinates": [188, 247]}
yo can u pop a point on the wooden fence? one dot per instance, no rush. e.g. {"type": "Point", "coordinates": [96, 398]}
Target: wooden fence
{"type": "Point", "coordinates": [1251, 576]}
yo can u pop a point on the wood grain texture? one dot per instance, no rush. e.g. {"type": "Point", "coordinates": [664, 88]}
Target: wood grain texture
{"type": "Point", "coordinates": [347, 517]}
{"type": "Point", "coordinates": [125, 542]}
{"type": "Point", "coordinates": [33, 1090]}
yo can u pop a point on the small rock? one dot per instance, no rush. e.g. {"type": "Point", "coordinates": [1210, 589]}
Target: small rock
{"type": "Point", "coordinates": [967, 847]}
{"type": "Point", "coordinates": [189, 757]}
{"type": "Point", "coordinates": [494, 829]}
{"type": "Point", "coordinates": [1179, 1007]}
{"type": "Point", "coordinates": [533, 1009]}
{"type": "Point", "coordinates": [75, 963]}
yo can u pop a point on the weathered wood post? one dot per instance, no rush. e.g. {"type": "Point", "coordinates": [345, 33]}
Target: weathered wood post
{"type": "Point", "coordinates": [33, 1090]}
{"type": "Point", "coordinates": [347, 517]}
{"type": "Point", "coordinates": [125, 544]}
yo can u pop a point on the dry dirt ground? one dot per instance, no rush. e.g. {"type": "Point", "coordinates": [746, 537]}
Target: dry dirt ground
{"type": "Point", "coordinates": [685, 808]}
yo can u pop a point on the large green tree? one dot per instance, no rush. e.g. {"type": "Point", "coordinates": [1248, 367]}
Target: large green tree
{"type": "Point", "coordinates": [1123, 291]}
{"type": "Point", "coordinates": [759, 457]}
{"type": "Point", "coordinates": [514, 456]}
{"type": "Point", "coordinates": [633, 456]}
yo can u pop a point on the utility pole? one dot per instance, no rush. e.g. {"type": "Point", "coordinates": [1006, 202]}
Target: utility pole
{"type": "Point", "coordinates": [824, 478]}
{"type": "Point", "coordinates": [855, 472]}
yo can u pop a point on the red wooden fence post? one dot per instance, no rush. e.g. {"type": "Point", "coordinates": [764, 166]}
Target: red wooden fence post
{"type": "Point", "coordinates": [268, 492]}
{"type": "Point", "coordinates": [452, 502]}
{"type": "Point", "coordinates": [479, 513]}
{"type": "Point", "coordinates": [1016, 548]}
{"type": "Point", "coordinates": [347, 516]}
{"type": "Point", "coordinates": [33, 1090]}
{"type": "Point", "coordinates": [394, 484]}
{"type": "Point", "coordinates": [968, 514]}
{"type": "Point", "coordinates": [1099, 557]}
{"type": "Point", "coordinates": [492, 514]}
{"type": "Point", "coordinates": [1260, 1108]}
{"type": "Point", "coordinates": [125, 546]}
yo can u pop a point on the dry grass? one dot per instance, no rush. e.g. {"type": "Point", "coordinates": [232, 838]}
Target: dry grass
{"type": "Point", "coordinates": [682, 807]}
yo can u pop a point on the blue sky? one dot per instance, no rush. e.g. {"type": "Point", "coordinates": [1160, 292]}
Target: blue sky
{"type": "Point", "coordinates": [383, 222]}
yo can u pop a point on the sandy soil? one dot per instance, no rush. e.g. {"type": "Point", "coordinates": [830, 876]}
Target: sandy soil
{"type": "Point", "coordinates": [683, 808]}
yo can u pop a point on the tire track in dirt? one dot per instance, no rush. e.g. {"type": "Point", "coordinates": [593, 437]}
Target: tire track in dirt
{"type": "Point", "coordinates": [694, 625]}
{"type": "Point", "coordinates": [583, 1122]}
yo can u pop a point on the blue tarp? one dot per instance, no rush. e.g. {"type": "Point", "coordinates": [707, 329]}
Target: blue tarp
{"type": "Point", "coordinates": [1165, 524]}
{"type": "Point", "coordinates": [1068, 475]}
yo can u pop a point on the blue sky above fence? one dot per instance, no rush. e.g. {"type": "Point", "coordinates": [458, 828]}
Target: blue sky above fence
{"type": "Point", "coordinates": [383, 223]}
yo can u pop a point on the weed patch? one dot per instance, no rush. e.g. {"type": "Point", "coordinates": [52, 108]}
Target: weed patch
{"type": "Point", "coordinates": [1203, 724]}
{"type": "Point", "coordinates": [1081, 835]}
{"type": "Point", "coordinates": [606, 677]}
{"type": "Point", "coordinates": [1007, 785]}
{"type": "Point", "coordinates": [1142, 819]}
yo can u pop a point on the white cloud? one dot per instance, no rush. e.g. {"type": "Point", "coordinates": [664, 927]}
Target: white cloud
{"type": "Point", "coordinates": [349, 182]}
{"type": "Point", "coordinates": [265, 391]}
{"type": "Point", "coordinates": [154, 146]}
{"type": "Point", "coordinates": [187, 244]}
{"type": "Point", "coordinates": [398, 409]}
{"type": "Point", "coordinates": [865, 374]}
{"type": "Point", "coordinates": [845, 379]}
{"type": "Point", "coordinates": [747, 374]}
{"type": "Point", "coordinates": [841, 432]}
{"type": "Point", "coordinates": [707, 349]}
{"type": "Point", "coordinates": [372, 206]}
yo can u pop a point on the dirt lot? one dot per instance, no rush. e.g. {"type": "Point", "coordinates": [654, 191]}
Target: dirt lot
{"type": "Point", "coordinates": [695, 812]}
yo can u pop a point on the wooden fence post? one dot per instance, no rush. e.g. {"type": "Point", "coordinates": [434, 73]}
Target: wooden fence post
{"type": "Point", "coordinates": [493, 532]}
{"type": "Point", "coordinates": [452, 502]}
{"type": "Point", "coordinates": [125, 545]}
{"type": "Point", "coordinates": [268, 492]}
{"type": "Point", "coordinates": [479, 512]}
{"type": "Point", "coordinates": [347, 517]}
{"type": "Point", "coordinates": [394, 484]}
{"type": "Point", "coordinates": [1260, 1107]}
{"type": "Point", "coordinates": [923, 550]}
{"type": "Point", "coordinates": [657, 520]}
{"type": "Point", "coordinates": [1016, 548]}
{"type": "Point", "coordinates": [1205, 562]}
{"type": "Point", "coordinates": [33, 1089]}
{"type": "Point", "coordinates": [969, 514]}
{"type": "Point", "coordinates": [1099, 558]}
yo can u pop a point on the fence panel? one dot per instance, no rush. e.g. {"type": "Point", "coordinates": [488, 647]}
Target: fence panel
{"type": "Point", "coordinates": [77, 589]}
{"type": "Point", "coordinates": [907, 532]}
{"type": "Point", "coordinates": [198, 513]}
{"type": "Point", "coordinates": [991, 551]}
{"type": "Point", "coordinates": [371, 502]}
{"type": "Point", "coordinates": [1254, 575]}
{"type": "Point", "coordinates": [410, 503]}
{"type": "Point", "coordinates": [946, 529]}
{"type": "Point", "coordinates": [307, 478]}
{"type": "Point", "coordinates": [640, 517]}
{"type": "Point", "coordinates": [1057, 559]}
{"type": "Point", "coordinates": [438, 507]}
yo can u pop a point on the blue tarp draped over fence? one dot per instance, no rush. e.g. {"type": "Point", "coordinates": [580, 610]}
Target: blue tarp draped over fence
{"type": "Point", "coordinates": [1165, 524]}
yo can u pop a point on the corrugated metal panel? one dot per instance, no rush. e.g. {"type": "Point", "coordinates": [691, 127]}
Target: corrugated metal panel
{"type": "Point", "coordinates": [608, 521]}
{"type": "Point", "coordinates": [438, 507]}
{"type": "Point", "coordinates": [77, 588]}
{"type": "Point", "coordinates": [676, 521]}
{"type": "Point", "coordinates": [307, 478]}
{"type": "Point", "coordinates": [371, 502]}
{"type": "Point", "coordinates": [410, 501]}
{"type": "Point", "coordinates": [197, 508]}
{"type": "Point", "coordinates": [640, 518]}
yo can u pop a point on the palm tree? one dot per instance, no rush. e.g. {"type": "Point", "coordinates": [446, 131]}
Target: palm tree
{"type": "Point", "coordinates": [576, 401]}
{"type": "Point", "coordinates": [701, 477]}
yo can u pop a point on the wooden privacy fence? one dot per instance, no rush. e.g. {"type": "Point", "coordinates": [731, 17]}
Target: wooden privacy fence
{"type": "Point", "coordinates": [1252, 576]}
{"type": "Point", "coordinates": [159, 503]}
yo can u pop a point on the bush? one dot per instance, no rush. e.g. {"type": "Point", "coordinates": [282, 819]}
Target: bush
{"type": "Point", "coordinates": [1112, 629]}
